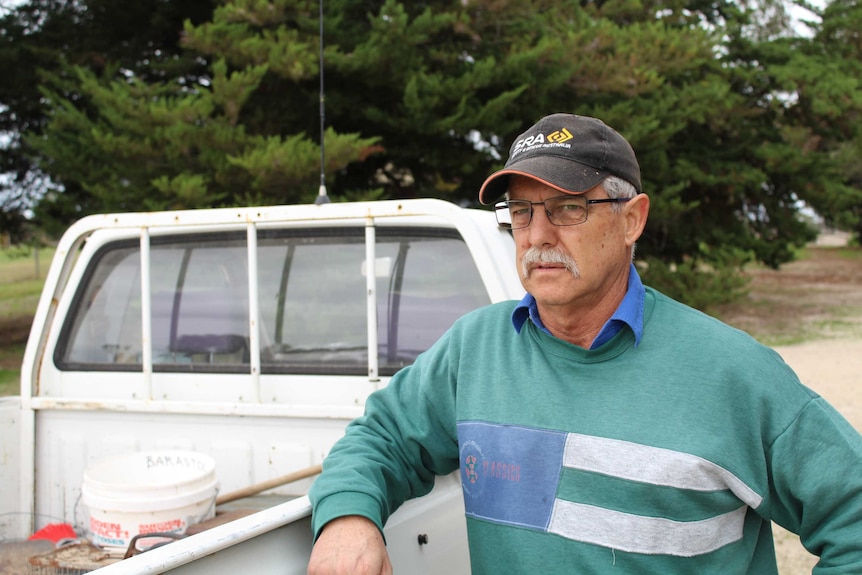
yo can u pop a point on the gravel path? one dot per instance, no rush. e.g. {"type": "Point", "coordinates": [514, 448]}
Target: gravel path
{"type": "Point", "coordinates": [832, 368]}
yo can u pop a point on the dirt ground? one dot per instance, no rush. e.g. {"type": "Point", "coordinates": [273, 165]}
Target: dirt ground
{"type": "Point", "coordinates": [817, 297]}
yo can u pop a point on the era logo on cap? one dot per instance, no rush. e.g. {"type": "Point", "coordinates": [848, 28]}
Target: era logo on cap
{"type": "Point", "coordinates": [560, 136]}
{"type": "Point", "coordinates": [555, 137]}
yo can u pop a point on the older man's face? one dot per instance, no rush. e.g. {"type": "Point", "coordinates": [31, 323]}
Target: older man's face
{"type": "Point", "coordinates": [567, 268]}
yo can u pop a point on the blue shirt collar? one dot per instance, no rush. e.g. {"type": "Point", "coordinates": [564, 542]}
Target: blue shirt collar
{"type": "Point", "coordinates": [629, 313]}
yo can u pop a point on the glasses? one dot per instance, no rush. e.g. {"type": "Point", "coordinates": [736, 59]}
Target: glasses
{"type": "Point", "coordinates": [561, 211]}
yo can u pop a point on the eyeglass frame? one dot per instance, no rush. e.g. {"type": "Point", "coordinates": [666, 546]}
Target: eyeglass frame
{"type": "Point", "coordinates": [504, 205]}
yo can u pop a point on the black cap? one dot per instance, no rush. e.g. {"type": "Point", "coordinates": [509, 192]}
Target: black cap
{"type": "Point", "coordinates": [570, 153]}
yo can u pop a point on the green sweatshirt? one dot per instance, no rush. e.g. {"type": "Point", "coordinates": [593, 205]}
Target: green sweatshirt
{"type": "Point", "coordinates": [669, 457]}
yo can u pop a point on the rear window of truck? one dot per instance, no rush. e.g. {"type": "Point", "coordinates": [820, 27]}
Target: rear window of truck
{"type": "Point", "coordinates": [311, 293]}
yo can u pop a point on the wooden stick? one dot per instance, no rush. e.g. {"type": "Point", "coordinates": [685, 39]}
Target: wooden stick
{"type": "Point", "coordinates": [269, 484]}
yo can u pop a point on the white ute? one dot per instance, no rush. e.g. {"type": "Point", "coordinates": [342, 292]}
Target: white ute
{"type": "Point", "coordinates": [251, 335]}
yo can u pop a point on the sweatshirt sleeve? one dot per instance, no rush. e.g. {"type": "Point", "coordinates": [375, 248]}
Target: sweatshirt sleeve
{"type": "Point", "coordinates": [393, 452]}
{"type": "Point", "coordinates": [817, 487]}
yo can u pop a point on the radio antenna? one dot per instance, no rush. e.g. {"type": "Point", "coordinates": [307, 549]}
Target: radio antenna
{"type": "Point", "coordinates": [322, 198]}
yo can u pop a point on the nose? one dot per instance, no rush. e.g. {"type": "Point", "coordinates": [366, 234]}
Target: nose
{"type": "Point", "coordinates": [541, 231]}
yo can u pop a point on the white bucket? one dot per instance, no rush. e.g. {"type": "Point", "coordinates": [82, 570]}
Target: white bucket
{"type": "Point", "coordinates": [148, 492]}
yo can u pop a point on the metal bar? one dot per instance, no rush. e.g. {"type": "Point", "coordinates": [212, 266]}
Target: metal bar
{"type": "Point", "coordinates": [234, 409]}
{"type": "Point", "coordinates": [58, 277]}
{"type": "Point", "coordinates": [146, 312]}
{"type": "Point", "coordinates": [220, 538]}
{"type": "Point", "coordinates": [371, 297]}
{"type": "Point", "coordinates": [253, 313]}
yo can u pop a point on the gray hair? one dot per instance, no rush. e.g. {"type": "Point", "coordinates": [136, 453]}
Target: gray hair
{"type": "Point", "coordinates": [618, 188]}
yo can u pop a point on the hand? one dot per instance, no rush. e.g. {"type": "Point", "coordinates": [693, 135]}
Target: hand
{"type": "Point", "coordinates": [350, 545]}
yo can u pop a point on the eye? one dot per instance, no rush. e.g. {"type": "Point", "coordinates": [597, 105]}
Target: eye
{"type": "Point", "coordinates": [519, 209]}
{"type": "Point", "coordinates": [568, 211]}
{"type": "Point", "coordinates": [571, 208]}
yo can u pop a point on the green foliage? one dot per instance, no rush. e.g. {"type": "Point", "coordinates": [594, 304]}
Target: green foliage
{"type": "Point", "coordinates": [698, 284]}
{"type": "Point", "coordinates": [16, 252]}
{"type": "Point", "coordinates": [168, 150]}
{"type": "Point", "coordinates": [49, 36]}
{"type": "Point", "coordinates": [837, 45]}
{"type": "Point", "coordinates": [736, 121]}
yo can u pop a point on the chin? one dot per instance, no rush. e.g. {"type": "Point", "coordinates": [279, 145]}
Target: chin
{"type": "Point", "coordinates": [550, 293]}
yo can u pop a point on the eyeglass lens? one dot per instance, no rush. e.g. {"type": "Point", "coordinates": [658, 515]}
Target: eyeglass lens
{"type": "Point", "coordinates": [561, 211]}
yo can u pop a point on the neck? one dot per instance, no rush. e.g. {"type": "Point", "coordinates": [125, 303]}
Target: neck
{"type": "Point", "coordinates": [579, 323]}
{"type": "Point", "coordinates": [579, 327]}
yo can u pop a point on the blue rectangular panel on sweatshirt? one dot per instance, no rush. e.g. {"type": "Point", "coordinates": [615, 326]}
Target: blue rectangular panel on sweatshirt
{"type": "Point", "coordinates": [510, 474]}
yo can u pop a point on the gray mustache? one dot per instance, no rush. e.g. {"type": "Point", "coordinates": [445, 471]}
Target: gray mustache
{"type": "Point", "coordinates": [547, 256]}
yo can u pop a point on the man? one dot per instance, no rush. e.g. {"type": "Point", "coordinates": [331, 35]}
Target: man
{"type": "Point", "coordinates": [628, 432]}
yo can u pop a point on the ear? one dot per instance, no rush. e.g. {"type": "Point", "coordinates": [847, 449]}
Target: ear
{"type": "Point", "coordinates": [636, 212]}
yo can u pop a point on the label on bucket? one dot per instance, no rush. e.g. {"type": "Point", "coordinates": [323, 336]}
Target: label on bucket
{"type": "Point", "coordinates": [172, 526]}
{"type": "Point", "coordinates": [107, 533]}
{"type": "Point", "coordinates": [111, 534]}
{"type": "Point", "coordinates": [184, 461]}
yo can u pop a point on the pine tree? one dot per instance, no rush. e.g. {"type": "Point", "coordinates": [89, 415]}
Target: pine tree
{"type": "Point", "coordinates": [48, 37]}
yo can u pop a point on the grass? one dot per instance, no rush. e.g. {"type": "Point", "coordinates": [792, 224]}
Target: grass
{"type": "Point", "coordinates": [10, 376]}
{"type": "Point", "coordinates": [22, 275]}
{"type": "Point", "coordinates": [816, 296]}
{"type": "Point", "coordinates": [20, 298]}
{"type": "Point", "coordinates": [787, 330]}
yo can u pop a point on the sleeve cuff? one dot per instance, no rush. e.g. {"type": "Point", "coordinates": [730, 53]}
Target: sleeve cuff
{"type": "Point", "coordinates": [343, 504]}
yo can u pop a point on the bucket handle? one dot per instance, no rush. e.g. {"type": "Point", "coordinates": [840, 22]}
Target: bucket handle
{"type": "Point", "coordinates": [133, 550]}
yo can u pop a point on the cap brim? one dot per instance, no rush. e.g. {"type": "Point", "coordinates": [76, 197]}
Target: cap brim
{"type": "Point", "coordinates": [562, 174]}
